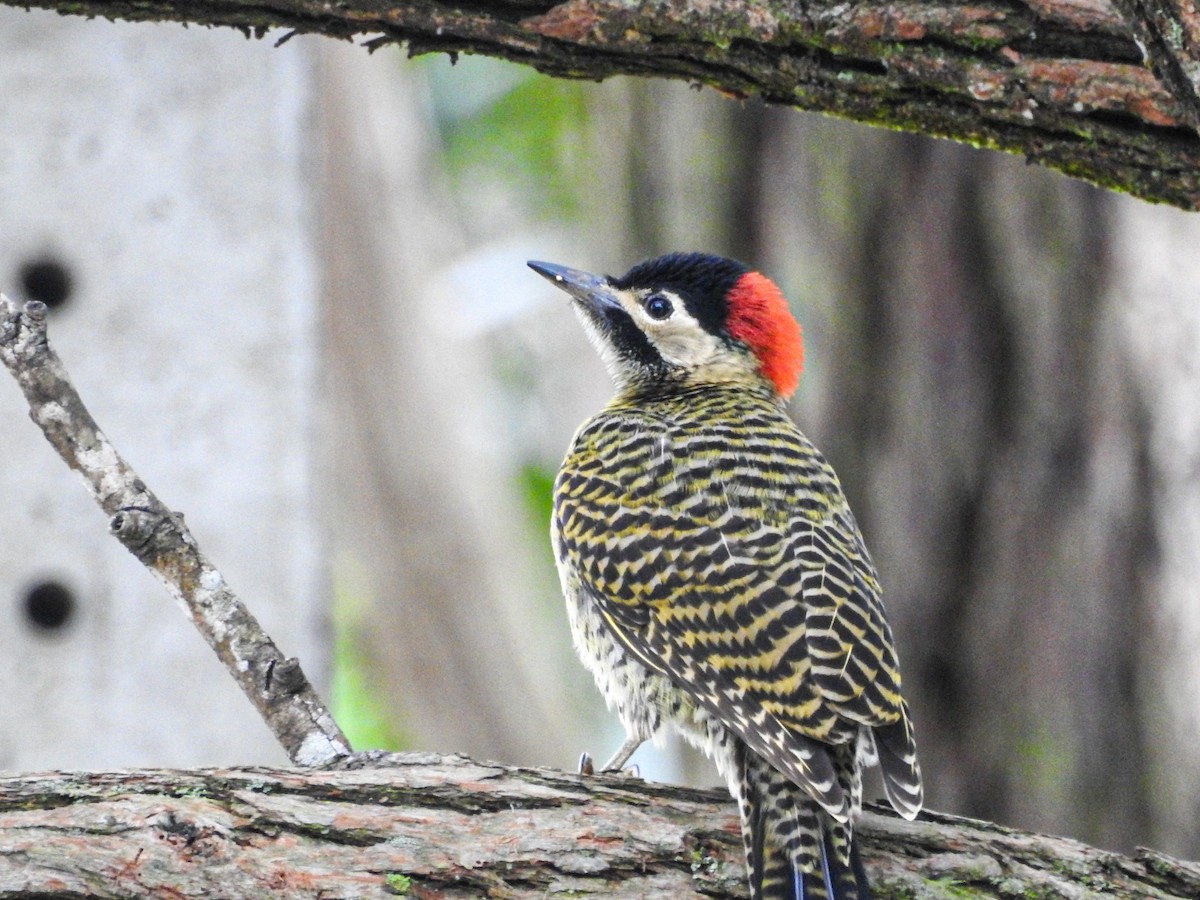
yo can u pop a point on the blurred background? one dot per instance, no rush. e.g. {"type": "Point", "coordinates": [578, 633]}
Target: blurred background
{"type": "Point", "coordinates": [290, 284]}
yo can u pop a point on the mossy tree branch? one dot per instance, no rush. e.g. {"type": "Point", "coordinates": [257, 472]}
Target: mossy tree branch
{"type": "Point", "coordinates": [425, 825]}
{"type": "Point", "coordinates": [1168, 31]}
{"type": "Point", "coordinates": [1060, 81]}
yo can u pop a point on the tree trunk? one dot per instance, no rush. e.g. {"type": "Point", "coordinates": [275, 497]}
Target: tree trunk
{"type": "Point", "coordinates": [441, 596]}
{"type": "Point", "coordinates": [980, 405]}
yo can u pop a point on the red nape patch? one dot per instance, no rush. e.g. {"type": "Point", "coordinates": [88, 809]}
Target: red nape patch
{"type": "Point", "coordinates": [759, 317]}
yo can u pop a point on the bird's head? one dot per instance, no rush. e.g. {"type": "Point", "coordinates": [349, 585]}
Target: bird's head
{"type": "Point", "coordinates": [687, 319]}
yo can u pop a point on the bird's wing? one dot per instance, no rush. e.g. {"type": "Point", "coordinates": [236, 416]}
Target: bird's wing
{"type": "Point", "coordinates": [848, 639]}
{"type": "Point", "coordinates": [853, 654]}
{"type": "Point", "coordinates": [738, 573]}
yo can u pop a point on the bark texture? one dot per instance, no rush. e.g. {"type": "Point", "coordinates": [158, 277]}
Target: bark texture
{"type": "Point", "coordinates": [424, 825]}
{"type": "Point", "coordinates": [1168, 31]}
{"type": "Point", "coordinates": [1060, 81]}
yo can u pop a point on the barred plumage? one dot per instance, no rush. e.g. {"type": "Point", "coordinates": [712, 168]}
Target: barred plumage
{"type": "Point", "coordinates": [716, 579]}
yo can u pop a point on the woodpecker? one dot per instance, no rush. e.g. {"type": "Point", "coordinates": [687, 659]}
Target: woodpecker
{"type": "Point", "coordinates": [715, 578]}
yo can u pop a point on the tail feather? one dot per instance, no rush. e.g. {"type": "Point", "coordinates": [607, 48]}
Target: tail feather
{"type": "Point", "coordinates": [794, 850]}
{"type": "Point", "coordinates": [859, 873]}
{"type": "Point", "coordinates": [898, 764]}
{"type": "Point", "coordinates": [845, 877]}
{"type": "Point", "coordinates": [836, 879]}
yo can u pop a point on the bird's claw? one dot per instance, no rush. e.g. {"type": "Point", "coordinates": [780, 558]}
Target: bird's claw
{"type": "Point", "coordinates": [587, 767]}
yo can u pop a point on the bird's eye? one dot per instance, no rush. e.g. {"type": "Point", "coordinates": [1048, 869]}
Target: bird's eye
{"type": "Point", "coordinates": [658, 306]}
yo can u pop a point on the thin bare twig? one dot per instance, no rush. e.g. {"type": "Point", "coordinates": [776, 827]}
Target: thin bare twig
{"type": "Point", "coordinates": [158, 537]}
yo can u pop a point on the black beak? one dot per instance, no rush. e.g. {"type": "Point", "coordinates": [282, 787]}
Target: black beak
{"type": "Point", "coordinates": [593, 291]}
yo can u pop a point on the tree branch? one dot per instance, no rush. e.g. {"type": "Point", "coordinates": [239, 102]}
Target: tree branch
{"type": "Point", "coordinates": [157, 536]}
{"type": "Point", "coordinates": [445, 826]}
{"type": "Point", "coordinates": [1168, 32]}
{"type": "Point", "coordinates": [1059, 81]}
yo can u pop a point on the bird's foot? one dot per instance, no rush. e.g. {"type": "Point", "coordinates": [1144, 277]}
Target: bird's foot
{"type": "Point", "coordinates": [586, 767]}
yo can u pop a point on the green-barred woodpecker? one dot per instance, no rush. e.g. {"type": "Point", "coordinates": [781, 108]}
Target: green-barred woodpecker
{"type": "Point", "coordinates": [715, 578]}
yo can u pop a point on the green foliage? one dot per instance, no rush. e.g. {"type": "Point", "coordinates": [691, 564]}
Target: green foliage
{"type": "Point", "coordinates": [536, 484]}
{"type": "Point", "coordinates": [537, 492]}
{"type": "Point", "coordinates": [354, 700]}
{"type": "Point", "coordinates": [504, 123]}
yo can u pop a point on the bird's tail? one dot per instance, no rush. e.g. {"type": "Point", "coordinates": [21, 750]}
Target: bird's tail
{"type": "Point", "coordinates": [794, 849]}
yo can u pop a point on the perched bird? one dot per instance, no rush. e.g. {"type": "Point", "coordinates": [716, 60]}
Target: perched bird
{"type": "Point", "coordinates": [715, 578]}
